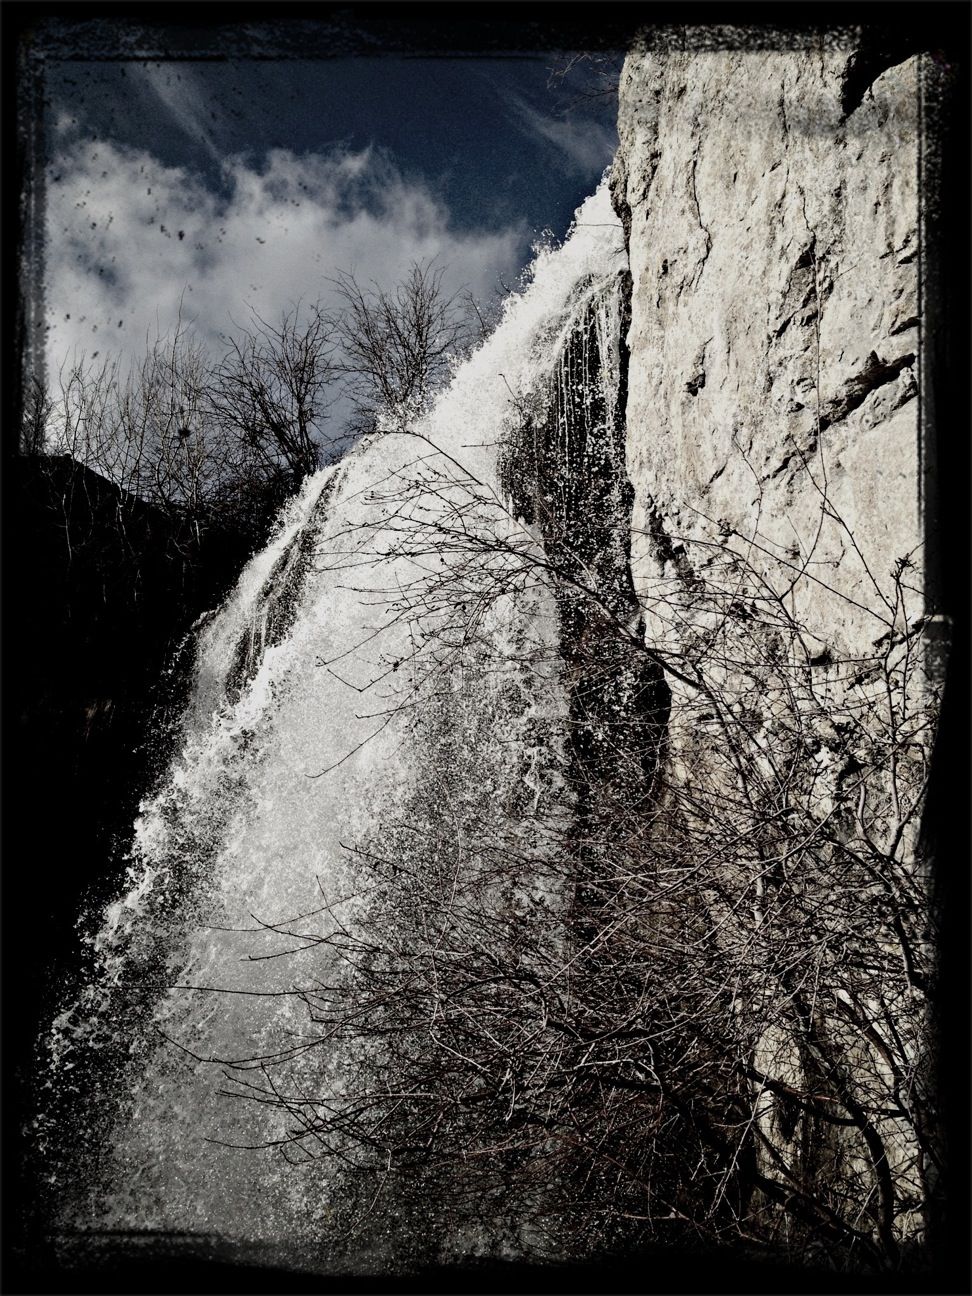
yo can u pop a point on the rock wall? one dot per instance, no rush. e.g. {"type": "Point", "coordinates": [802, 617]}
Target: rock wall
{"type": "Point", "coordinates": [774, 334]}
{"type": "Point", "coordinates": [770, 202]}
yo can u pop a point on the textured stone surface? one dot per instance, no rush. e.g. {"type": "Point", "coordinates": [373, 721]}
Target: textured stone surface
{"type": "Point", "coordinates": [774, 335]}
{"type": "Point", "coordinates": [770, 200]}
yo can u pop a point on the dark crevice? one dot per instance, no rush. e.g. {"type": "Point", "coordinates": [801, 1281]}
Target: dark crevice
{"type": "Point", "coordinates": [876, 373]}
{"type": "Point", "coordinates": [667, 550]}
{"type": "Point", "coordinates": [878, 52]}
{"type": "Point", "coordinates": [803, 454]}
{"type": "Point", "coordinates": [800, 288]}
{"type": "Point", "coordinates": [910, 322]}
{"type": "Point", "coordinates": [567, 475]}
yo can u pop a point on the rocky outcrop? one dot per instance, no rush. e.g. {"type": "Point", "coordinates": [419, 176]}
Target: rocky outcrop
{"type": "Point", "coordinates": [770, 202]}
{"type": "Point", "coordinates": [774, 255]}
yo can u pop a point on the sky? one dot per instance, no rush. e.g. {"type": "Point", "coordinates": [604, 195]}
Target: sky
{"type": "Point", "coordinates": [205, 190]}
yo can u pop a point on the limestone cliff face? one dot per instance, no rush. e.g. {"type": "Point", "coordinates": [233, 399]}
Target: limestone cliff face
{"type": "Point", "coordinates": [770, 201]}
{"type": "Point", "coordinates": [774, 335]}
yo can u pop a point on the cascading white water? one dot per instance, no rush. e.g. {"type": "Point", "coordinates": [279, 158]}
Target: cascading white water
{"type": "Point", "coordinates": [303, 735]}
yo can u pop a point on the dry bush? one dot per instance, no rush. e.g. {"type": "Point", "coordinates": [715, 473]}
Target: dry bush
{"type": "Point", "coordinates": [696, 1003]}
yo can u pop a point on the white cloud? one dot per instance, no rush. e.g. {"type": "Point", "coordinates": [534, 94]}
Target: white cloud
{"type": "Point", "coordinates": [130, 242]}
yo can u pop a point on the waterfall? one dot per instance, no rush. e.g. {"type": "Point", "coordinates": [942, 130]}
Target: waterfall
{"type": "Point", "coordinates": [394, 656]}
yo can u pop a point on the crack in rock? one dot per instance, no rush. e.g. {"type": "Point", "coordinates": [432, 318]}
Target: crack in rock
{"type": "Point", "coordinates": [876, 373]}
{"type": "Point", "coordinates": [698, 213]}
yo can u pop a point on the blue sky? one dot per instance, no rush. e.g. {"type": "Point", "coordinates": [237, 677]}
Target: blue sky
{"type": "Point", "coordinates": [209, 188]}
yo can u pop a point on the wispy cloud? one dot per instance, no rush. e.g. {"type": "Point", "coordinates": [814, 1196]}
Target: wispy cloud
{"type": "Point", "coordinates": [174, 87]}
{"type": "Point", "coordinates": [585, 144]}
{"type": "Point", "coordinates": [132, 243]}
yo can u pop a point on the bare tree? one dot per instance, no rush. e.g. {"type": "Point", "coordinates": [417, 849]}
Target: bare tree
{"type": "Point", "coordinates": [37, 413]}
{"type": "Point", "coordinates": [587, 75]}
{"type": "Point", "coordinates": [144, 429]}
{"type": "Point", "coordinates": [399, 345]}
{"type": "Point", "coordinates": [203, 439]}
{"type": "Point", "coordinates": [211, 445]}
{"type": "Point", "coordinates": [270, 395]}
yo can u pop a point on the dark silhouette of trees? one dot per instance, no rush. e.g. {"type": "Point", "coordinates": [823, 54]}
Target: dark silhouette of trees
{"type": "Point", "coordinates": [218, 443]}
